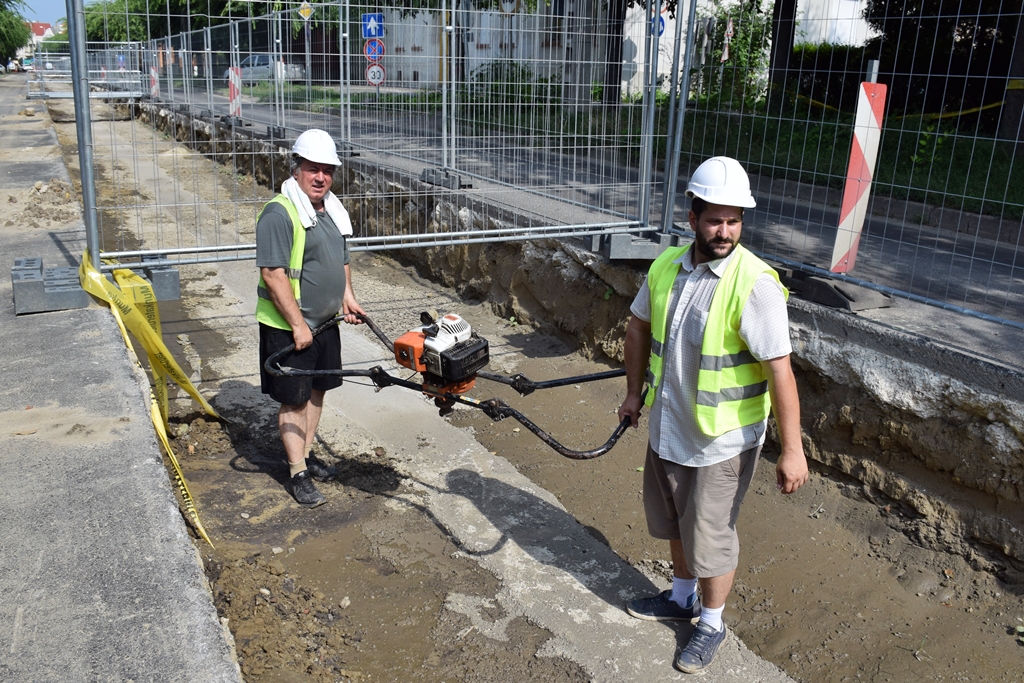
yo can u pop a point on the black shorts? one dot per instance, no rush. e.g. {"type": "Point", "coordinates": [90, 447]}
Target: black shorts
{"type": "Point", "coordinates": [323, 354]}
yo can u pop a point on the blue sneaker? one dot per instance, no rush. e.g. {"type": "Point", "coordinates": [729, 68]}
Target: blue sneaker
{"type": "Point", "coordinates": [663, 608]}
{"type": "Point", "coordinates": [701, 650]}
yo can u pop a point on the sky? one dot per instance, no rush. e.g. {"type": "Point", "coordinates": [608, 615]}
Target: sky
{"type": "Point", "coordinates": [48, 11]}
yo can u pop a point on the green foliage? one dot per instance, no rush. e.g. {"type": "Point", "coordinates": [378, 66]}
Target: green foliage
{"type": "Point", "coordinates": [56, 43]}
{"type": "Point", "coordinates": [742, 81]}
{"type": "Point", "coordinates": [829, 74]}
{"type": "Point", "coordinates": [136, 20]}
{"type": "Point", "coordinates": [505, 95]}
{"type": "Point", "coordinates": [508, 82]}
{"type": "Point", "coordinates": [928, 144]}
{"type": "Point", "coordinates": [943, 55]}
{"type": "Point", "coordinates": [14, 33]}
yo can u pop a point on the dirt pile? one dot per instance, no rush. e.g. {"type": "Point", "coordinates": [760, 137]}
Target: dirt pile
{"type": "Point", "coordinates": [44, 205]}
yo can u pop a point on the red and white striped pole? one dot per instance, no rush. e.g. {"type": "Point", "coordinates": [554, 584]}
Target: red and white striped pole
{"type": "Point", "coordinates": [235, 91]}
{"type": "Point", "coordinates": [867, 133]}
{"type": "Point", "coordinates": [154, 83]}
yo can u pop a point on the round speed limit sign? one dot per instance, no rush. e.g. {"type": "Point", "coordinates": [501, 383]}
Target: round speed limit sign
{"type": "Point", "coordinates": [375, 74]}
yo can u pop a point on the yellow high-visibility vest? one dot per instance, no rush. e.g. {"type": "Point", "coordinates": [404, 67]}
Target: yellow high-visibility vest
{"type": "Point", "coordinates": [732, 390]}
{"type": "Point", "coordinates": [266, 311]}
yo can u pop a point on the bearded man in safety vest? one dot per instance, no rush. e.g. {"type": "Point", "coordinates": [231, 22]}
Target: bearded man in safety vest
{"type": "Point", "coordinates": [305, 280]}
{"type": "Point", "coordinates": [710, 335]}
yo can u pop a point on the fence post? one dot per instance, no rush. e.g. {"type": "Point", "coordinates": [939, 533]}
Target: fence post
{"type": "Point", "coordinates": [83, 126]}
{"type": "Point", "coordinates": [672, 165]}
{"type": "Point", "coordinates": [208, 67]}
{"type": "Point", "coordinates": [674, 80]}
{"type": "Point", "coordinates": [652, 30]}
{"type": "Point", "coordinates": [346, 82]}
{"type": "Point", "coordinates": [450, 33]}
{"type": "Point", "coordinates": [867, 133]}
{"type": "Point", "coordinates": [444, 85]}
{"type": "Point", "coordinates": [279, 70]}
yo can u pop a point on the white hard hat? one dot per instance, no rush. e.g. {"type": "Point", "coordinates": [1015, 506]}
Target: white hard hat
{"type": "Point", "coordinates": [722, 181]}
{"type": "Point", "coordinates": [317, 146]}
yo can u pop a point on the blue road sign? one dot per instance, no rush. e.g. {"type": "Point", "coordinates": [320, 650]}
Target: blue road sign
{"type": "Point", "coordinates": [660, 25]}
{"type": "Point", "coordinates": [374, 49]}
{"type": "Point", "coordinates": [373, 25]}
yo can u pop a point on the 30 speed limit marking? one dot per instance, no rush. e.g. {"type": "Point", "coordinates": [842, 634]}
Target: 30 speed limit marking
{"type": "Point", "coordinates": [375, 74]}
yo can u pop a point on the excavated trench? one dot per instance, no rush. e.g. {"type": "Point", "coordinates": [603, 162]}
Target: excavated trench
{"type": "Point", "coordinates": [927, 436]}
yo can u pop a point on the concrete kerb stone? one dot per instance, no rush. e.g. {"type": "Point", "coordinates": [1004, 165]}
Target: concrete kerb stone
{"type": "Point", "coordinates": [99, 575]}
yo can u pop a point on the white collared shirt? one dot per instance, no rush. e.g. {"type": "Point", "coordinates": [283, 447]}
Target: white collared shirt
{"type": "Point", "coordinates": [764, 328]}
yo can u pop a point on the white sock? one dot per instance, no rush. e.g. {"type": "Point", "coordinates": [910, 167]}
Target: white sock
{"type": "Point", "coordinates": [683, 591]}
{"type": "Point", "coordinates": [712, 617]}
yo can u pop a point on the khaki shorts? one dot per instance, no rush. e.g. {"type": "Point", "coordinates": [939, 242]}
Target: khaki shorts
{"type": "Point", "coordinates": [699, 506]}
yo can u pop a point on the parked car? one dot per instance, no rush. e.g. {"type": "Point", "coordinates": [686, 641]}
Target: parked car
{"type": "Point", "coordinates": [12, 66]}
{"type": "Point", "coordinates": [261, 67]}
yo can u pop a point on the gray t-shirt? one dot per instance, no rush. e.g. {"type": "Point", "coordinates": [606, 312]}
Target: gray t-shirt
{"type": "Point", "coordinates": [323, 261]}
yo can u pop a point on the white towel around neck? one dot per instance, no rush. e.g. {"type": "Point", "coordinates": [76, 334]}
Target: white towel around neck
{"type": "Point", "coordinates": [307, 215]}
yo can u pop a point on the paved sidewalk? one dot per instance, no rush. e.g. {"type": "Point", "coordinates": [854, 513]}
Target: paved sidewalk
{"type": "Point", "coordinates": [98, 577]}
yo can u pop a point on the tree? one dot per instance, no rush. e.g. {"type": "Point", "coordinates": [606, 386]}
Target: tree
{"type": "Point", "coordinates": [741, 81]}
{"type": "Point", "coordinates": [125, 20]}
{"type": "Point", "coordinates": [14, 33]}
{"type": "Point", "coordinates": [943, 55]}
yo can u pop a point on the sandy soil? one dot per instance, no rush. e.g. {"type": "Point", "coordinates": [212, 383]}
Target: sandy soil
{"type": "Point", "coordinates": [834, 585]}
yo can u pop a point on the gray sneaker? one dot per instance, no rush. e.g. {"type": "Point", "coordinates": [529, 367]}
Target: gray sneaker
{"type": "Point", "coordinates": [701, 650]}
{"type": "Point", "coordinates": [320, 470]}
{"type": "Point", "coordinates": [663, 608]}
{"type": "Point", "coordinates": [304, 490]}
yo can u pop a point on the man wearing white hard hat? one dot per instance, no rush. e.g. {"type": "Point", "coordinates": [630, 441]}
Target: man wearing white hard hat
{"type": "Point", "coordinates": [710, 336]}
{"type": "Point", "coordinates": [305, 280]}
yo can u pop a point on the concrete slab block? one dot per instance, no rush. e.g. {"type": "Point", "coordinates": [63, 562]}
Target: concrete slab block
{"type": "Point", "coordinates": [844, 295]}
{"type": "Point", "coordinates": [37, 289]}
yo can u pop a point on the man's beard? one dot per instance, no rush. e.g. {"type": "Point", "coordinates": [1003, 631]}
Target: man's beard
{"type": "Point", "coordinates": [705, 247]}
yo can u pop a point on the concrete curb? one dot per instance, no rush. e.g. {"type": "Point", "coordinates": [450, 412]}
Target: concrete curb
{"type": "Point", "coordinates": [100, 578]}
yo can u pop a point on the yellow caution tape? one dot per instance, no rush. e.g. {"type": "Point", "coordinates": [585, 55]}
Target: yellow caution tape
{"type": "Point", "coordinates": [141, 294]}
{"type": "Point", "coordinates": [97, 285]}
{"type": "Point", "coordinates": [954, 114]}
{"type": "Point", "coordinates": [1015, 84]}
{"type": "Point", "coordinates": [136, 305]}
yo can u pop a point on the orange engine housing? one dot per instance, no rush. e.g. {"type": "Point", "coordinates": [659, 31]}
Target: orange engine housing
{"type": "Point", "coordinates": [409, 350]}
{"type": "Point", "coordinates": [447, 359]}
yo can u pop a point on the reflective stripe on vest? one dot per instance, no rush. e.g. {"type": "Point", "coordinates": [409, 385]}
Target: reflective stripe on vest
{"type": "Point", "coordinates": [266, 311]}
{"type": "Point", "coordinates": [732, 391]}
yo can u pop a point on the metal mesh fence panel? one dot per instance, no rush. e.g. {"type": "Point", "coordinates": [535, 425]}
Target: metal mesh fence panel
{"type": "Point", "coordinates": [559, 114]}
{"type": "Point", "coordinates": [474, 108]}
{"type": "Point", "coordinates": [943, 219]}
